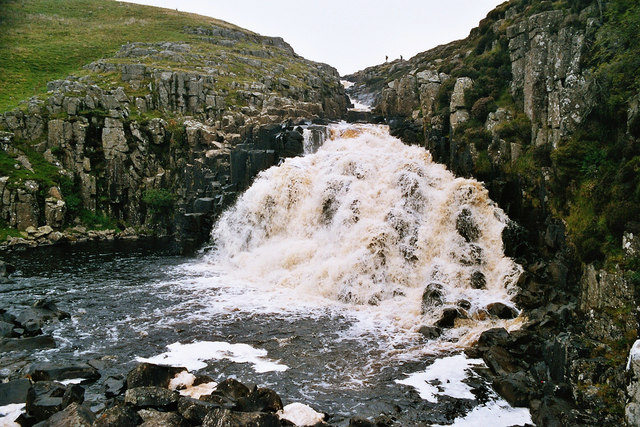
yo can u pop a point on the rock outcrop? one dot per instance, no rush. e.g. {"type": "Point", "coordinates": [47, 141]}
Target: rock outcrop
{"type": "Point", "coordinates": [162, 148]}
{"type": "Point", "coordinates": [510, 105]}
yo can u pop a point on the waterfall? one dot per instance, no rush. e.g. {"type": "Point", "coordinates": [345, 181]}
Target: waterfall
{"type": "Point", "coordinates": [369, 223]}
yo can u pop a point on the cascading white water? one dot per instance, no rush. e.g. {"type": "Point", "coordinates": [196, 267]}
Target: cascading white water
{"type": "Point", "coordinates": [370, 223]}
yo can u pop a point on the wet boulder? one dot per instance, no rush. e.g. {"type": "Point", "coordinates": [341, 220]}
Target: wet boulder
{"type": "Point", "coordinates": [502, 311]}
{"type": "Point", "coordinates": [515, 388]}
{"type": "Point", "coordinates": [5, 270]}
{"type": "Point", "coordinates": [478, 280]}
{"type": "Point", "coordinates": [195, 410]}
{"type": "Point", "coordinates": [499, 360]}
{"type": "Point", "coordinates": [76, 415]}
{"type": "Point", "coordinates": [226, 418]}
{"type": "Point", "coordinates": [48, 371]}
{"type": "Point", "coordinates": [448, 317]}
{"type": "Point", "coordinates": [29, 343]}
{"type": "Point", "coordinates": [114, 386]}
{"type": "Point", "coordinates": [260, 400]}
{"type": "Point", "coordinates": [150, 375]}
{"type": "Point", "coordinates": [152, 397]}
{"type": "Point", "coordinates": [430, 332]}
{"type": "Point", "coordinates": [494, 336]}
{"type": "Point", "coordinates": [232, 389]}
{"type": "Point", "coordinates": [44, 399]}
{"type": "Point", "coordinates": [6, 329]}
{"type": "Point", "coordinates": [432, 297]}
{"type": "Point", "coordinates": [466, 226]}
{"type": "Point", "coordinates": [33, 318]}
{"type": "Point", "coordinates": [119, 415]}
{"type": "Point", "coordinates": [153, 418]}
{"type": "Point", "coordinates": [14, 391]}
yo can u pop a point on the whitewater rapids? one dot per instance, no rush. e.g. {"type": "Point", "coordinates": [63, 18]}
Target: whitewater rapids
{"type": "Point", "coordinates": [372, 224]}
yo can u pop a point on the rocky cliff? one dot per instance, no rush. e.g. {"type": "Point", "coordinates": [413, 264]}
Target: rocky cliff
{"type": "Point", "coordinates": [535, 103]}
{"type": "Point", "coordinates": [161, 136]}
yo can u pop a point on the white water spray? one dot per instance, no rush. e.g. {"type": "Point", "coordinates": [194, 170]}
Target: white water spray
{"type": "Point", "coordinates": [370, 223]}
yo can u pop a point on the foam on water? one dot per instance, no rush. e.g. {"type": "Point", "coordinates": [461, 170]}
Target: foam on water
{"type": "Point", "coordinates": [10, 413]}
{"type": "Point", "coordinates": [192, 356]}
{"type": "Point", "coordinates": [443, 377]}
{"type": "Point", "coordinates": [366, 224]}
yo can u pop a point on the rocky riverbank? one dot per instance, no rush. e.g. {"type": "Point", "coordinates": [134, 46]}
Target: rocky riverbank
{"type": "Point", "coordinates": [518, 105]}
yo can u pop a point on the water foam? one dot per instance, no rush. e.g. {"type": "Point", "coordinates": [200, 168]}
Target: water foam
{"type": "Point", "coordinates": [370, 223]}
{"type": "Point", "coordinates": [192, 356]}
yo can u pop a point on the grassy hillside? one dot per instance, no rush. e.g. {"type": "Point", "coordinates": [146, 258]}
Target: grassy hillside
{"type": "Point", "coordinates": [44, 40]}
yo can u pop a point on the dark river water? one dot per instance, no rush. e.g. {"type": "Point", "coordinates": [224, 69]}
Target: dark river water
{"type": "Point", "coordinates": [132, 300]}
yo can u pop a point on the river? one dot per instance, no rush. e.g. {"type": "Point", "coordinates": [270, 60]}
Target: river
{"type": "Point", "coordinates": [316, 285]}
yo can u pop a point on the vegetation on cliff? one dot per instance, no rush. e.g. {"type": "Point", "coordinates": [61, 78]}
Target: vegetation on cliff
{"type": "Point", "coordinates": [131, 101]}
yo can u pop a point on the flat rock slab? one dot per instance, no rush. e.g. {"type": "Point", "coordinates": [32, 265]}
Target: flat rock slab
{"type": "Point", "coordinates": [28, 344]}
{"type": "Point", "coordinates": [14, 391]}
{"type": "Point", "coordinates": [46, 371]}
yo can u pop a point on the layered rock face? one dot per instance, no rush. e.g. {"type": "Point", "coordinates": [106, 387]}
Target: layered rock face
{"type": "Point", "coordinates": [501, 105]}
{"type": "Point", "coordinates": [163, 134]}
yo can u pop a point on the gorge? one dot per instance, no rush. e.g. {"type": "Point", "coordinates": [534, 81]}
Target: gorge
{"type": "Point", "coordinates": [356, 268]}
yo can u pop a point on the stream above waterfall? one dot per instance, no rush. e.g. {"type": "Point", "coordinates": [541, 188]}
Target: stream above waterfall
{"type": "Point", "coordinates": [316, 285]}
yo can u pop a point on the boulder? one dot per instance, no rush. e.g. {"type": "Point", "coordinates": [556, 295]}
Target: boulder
{"type": "Point", "coordinates": [150, 375]}
{"type": "Point", "coordinates": [120, 416]}
{"type": "Point", "coordinates": [430, 332]}
{"type": "Point", "coordinates": [494, 336]}
{"type": "Point", "coordinates": [195, 410]}
{"type": "Point", "coordinates": [466, 226]}
{"type": "Point", "coordinates": [260, 400]}
{"type": "Point", "coordinates": [152, 397]}
{"type": "Point", "coordinates": [6, 329]}
{"type": "Point", "coordinates": [153, 418]}
{"type": "Point", "coordinates": [5, 270]}
{"type": "Point", "coordinates": [49, 371]}
{"type": "Point", "coordinates": [14, 391]}
{"type": "Point", "coordinates": [74, 415]}
{"type": "Point", "coordinates": [233, 389]}
{"type": "Point", "coordinates": [30, 344]}
{"type": "Point", "coordinates": [44, 399]}
{"type": "Point", "coordinates": [499, 360]}
{"type": "Point", "coordinates": [516, 388]}
{"type": "Point", "coordinates": [478, 280]}
{"type": "Point", "coordinates": [502, 311]}
{"type": "Point", "coordinates": [448, 317]}
{"type": "Point", "coordinates": [114, 386]}
{"type": "Point", "coordinates": [432, 296]}
{"type": "Point", "coordinates": [225, 418]}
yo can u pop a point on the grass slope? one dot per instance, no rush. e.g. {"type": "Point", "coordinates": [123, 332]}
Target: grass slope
{"type": "Point", "coordinates": [44, 40]}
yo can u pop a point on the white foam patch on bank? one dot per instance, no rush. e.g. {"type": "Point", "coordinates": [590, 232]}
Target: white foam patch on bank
{"type": "Point", "coordinates": [10, 413]}
{"type": "Point", "coordinates": [71, 381]}
{"type": "Point", "coordinates": [182, 380]}
{"type": "Point", "coordinates": [300, 414]}
{"type": "Point", "coordinates": [634, 353]}
{"type": "Point", "coordinates": [192, 356]}
{"type": "Point", "coordinates": [443, 377]}
{"type": "Point", "coordinates": [498, 413]}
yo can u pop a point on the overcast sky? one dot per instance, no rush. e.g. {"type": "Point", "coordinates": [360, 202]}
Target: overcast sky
{"type": "Point", "coordinates": [347, 34]}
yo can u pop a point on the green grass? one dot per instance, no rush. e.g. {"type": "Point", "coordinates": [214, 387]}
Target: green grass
{"type": "Point", "coordinates": [44, 40]}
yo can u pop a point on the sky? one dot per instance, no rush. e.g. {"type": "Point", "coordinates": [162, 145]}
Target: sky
{"type": "Point", "coordinates": [350, 35]}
